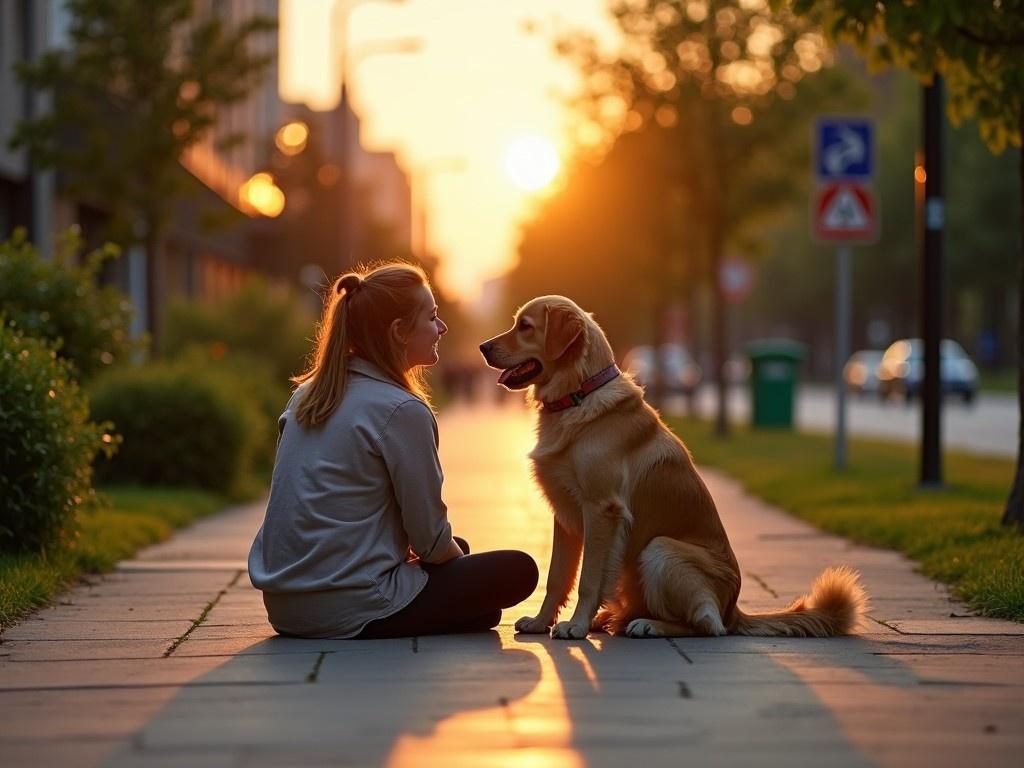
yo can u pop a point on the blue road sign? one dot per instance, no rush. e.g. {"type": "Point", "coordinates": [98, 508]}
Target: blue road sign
{"type": "Point", "coordinates": [844, 149]}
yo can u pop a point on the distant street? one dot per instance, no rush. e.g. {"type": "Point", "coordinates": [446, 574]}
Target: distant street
{"type": "Point", "coordinates": [988, 426]}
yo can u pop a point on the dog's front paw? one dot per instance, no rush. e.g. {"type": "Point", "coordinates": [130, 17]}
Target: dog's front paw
{"type": "Point", "coordinates": [567, 630]}
{"type": "Point", "coordinates": [532, 625]}
{"type": "Point", "coordinates": [642, 628]}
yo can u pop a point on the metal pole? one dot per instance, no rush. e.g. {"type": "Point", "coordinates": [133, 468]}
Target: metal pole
{"type": "Point", "coordinates": [931, 284]}
{"type": "Point", "coordinates": [842, 347]}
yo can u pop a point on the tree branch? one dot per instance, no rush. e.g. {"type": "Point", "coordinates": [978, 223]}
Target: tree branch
{"type": "Point", "coordinates": [1009, 42]}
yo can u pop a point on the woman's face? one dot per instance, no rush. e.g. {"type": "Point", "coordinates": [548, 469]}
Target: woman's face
{"type": "Point", "coordinates": [426, 331]}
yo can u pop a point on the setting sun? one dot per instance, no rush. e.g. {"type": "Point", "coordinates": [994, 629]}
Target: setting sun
{"type": "Point", "coordinates": [531, 162]}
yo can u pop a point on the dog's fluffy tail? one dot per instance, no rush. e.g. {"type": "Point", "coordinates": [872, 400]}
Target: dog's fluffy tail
{"type": "Point", "coordinates": [836, 606]}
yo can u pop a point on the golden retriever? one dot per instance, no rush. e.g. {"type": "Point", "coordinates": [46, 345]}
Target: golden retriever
{"type": "Point", "coordinates": [626, 496]}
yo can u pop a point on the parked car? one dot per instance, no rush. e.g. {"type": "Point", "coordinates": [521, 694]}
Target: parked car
{"type": "Point", "coordinates": [681, 372]}
{"type": "Point", "coordinates": [861, 371]}
{"type": "Point", "coordinates": [901, 371]}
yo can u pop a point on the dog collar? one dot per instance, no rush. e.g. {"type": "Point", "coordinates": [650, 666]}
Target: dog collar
{"type": "Point", "coordinates": [576, 398]}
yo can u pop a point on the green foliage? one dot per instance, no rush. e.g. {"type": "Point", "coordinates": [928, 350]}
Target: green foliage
{"type": "Point", "coordinates": [954, 533]}
{"type": "Point", "coordinates": [47, 444]}
{"type": "Point", "coordinates": [255, 323]}
{"type": "Point", "coordinates": [181, 426]}
{"type": "Point", "coordinates": [251, 378]}
{"type": "Point", "coordinates": [978, 45]}
{"type": "Point", "coordinates": [88, 325]}
{"type": "Point", "coordinates": [137, 85]}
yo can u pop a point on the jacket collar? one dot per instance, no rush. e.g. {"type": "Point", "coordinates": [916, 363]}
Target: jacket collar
{"type": "Point", "coordinates": [366, 368]}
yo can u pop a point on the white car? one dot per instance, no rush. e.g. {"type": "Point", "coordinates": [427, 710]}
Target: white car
{"type": "Point", "coordinates": [681, 373]}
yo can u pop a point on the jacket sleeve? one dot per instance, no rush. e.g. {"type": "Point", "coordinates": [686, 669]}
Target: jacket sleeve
{"type": "Point", "coordinates": [409, 447]}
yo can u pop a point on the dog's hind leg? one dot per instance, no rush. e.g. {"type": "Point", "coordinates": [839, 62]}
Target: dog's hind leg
{"type": "Point", "coordinates": [679, 588]}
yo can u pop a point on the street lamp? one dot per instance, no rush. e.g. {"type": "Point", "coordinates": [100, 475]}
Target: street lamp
{"type": "Point", "coordinates": [433, 166]}
{"type": "Point", "coordinates": [348, 61]}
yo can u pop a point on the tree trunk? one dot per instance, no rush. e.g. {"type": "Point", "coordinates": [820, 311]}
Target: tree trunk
{"type": "Point", "coordinates": [718, 336]}
{"type": "Point", "coordinates": [152, 246]}
{"type": "Point", "coordinates": [1014, 514]}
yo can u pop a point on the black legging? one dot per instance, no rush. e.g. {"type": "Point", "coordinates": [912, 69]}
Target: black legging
{"type": "Point", "coordinates": [465, 594]}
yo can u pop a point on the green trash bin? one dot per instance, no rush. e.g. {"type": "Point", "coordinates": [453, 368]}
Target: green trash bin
{"type": "Point", "coordinates": [774, 365]}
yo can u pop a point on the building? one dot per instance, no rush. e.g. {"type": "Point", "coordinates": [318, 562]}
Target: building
{"type": "Point", "coordinates": [213, 240]}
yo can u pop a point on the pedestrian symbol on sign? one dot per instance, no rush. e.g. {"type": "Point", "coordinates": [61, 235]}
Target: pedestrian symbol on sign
{"type": "Point", "coordinates": [845, 212]}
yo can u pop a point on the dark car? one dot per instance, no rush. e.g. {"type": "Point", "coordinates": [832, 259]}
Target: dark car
{"type": "Point", "coordinates": [901, 371]}
{"type": "Point", "coordinates": [681, 373]}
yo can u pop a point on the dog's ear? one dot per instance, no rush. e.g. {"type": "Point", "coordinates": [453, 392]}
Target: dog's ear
{"type": "Point", "coordinates": [563, 327]}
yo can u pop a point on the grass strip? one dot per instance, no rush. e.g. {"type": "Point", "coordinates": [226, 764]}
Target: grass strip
{"type": "Point", "coordinates": [954, 532]}
{"type": "Point", "coordinates": [126, 519]}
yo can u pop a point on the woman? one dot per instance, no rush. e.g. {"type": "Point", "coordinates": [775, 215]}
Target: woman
{"type": "Point", "coordinates": [356, 540]}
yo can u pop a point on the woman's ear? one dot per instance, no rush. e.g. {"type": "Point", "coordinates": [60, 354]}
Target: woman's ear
{"type": "Point", "coordinates": [397, 337]}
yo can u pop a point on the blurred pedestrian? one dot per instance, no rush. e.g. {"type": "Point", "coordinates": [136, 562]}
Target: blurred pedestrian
{"type": "Point", "coordinates": [356, 540]}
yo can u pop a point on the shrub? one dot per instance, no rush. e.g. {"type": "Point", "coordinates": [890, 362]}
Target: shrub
{"type": "Point", "coordinates": [88, 325]}
{"type": "Point", "coordinates": [254, 379]}
{"type": "Point", "coordinates": [257, 322]}
{"type": "Point", "coordinates": [181, 425]}
{"type": "Point", "coordinates": [47, 443]}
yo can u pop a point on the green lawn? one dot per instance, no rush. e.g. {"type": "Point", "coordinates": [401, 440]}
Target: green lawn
{"type": "Point", "coordinates": [954, 533]}
{"type": "Point", "coordinates": [127, 519]}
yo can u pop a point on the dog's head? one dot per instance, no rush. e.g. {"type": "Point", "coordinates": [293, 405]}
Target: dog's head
{"type": "Point", "coordinates": [553, 346]}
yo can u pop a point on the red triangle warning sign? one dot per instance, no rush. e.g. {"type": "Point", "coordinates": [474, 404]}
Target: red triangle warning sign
{"type": "Point", "coordinates": [845, 212]}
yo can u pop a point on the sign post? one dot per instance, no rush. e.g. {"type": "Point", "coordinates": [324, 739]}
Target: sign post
{"type": "Point", "coordinates": [845, 212]}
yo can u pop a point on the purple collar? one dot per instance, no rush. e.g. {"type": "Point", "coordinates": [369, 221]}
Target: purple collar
{"type": "Point", "coordinates": [576, 398]}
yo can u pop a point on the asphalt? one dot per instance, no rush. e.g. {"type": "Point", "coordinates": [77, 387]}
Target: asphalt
{"type": "Point", "coordinates": [169, 661]}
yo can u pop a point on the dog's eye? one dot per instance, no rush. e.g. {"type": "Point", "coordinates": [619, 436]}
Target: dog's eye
{"type": "Point", "coordinates": [524, 326]}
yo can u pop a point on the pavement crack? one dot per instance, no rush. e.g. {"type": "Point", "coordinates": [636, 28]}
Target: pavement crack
{"type": "Point", "coordinates": [311, 677]}
{"type": "Point", "coordinates": [680, 651]}
{"type": "Point", "coordinates": [202, 617]}
{"type": "Point", "coordinates": [763, 583]}
{"type": "Point", "coordinates": [887, 625]}
{"type": "Point", "coordinates": [238, 575]}
{"type": "Point", "coordinates": [415, 645]}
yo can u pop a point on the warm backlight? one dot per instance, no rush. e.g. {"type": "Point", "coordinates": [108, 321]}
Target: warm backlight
{"type": "Point", "coordinates": [531, 162]}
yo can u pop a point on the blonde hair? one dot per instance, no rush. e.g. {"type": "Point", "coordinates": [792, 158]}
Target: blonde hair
{"type": "Point", "coordinates": [358, 313]}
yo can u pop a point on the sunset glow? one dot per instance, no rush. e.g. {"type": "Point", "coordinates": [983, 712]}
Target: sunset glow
{"type": "Point", "coordinates": [531, 162]}
{"type": "Point", "coordinates": [458, 95]}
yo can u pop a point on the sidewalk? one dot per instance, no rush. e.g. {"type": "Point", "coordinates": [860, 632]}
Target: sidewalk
{"type": "Point", "coordinates": [169, 662]}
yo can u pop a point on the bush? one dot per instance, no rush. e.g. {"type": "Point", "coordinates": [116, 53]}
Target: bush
{"type": "Point", "coordinates": [256, 322]}
{"type": "Point", "coordinates": [182, 426]}
{"type": "Point", "coordinates": [47, 443]}
{"type": "Point", "coordinates": [88, 325]}
{"type": "Point", "coordinates": [254, 379]}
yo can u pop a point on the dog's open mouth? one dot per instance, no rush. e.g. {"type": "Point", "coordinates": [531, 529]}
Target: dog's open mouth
{"type": "Point", "coordinates": [521, 375]}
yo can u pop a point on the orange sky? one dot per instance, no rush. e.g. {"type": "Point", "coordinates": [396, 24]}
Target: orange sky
{"type": "Point", "coordinates": [479, 82]}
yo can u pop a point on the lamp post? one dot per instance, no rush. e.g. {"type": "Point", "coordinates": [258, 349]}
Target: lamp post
{"type": "Point", "coordinates": [433, 166]}
{"type": "Point", "coordinates": [347, 61]}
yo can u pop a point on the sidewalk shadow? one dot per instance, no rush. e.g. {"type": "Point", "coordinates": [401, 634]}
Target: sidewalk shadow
{"type": "Point", "coordinates": [293, 702]}
{"type": "Point", "coordinates": [723, 701]}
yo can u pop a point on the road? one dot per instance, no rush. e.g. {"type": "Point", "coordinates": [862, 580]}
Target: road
{"type": "Point", "coordinates": [989, 426]}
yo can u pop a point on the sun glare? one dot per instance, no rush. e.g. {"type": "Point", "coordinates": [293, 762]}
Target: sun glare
{"type": "Point", "coordinates": [531, 162]}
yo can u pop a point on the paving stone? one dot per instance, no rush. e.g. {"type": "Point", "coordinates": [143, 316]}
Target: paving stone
{"type": "Point", "coordinates": [71, 631]}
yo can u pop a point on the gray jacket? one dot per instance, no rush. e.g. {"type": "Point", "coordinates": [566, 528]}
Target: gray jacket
{"type": "Point", "coordinates": [347, 500]}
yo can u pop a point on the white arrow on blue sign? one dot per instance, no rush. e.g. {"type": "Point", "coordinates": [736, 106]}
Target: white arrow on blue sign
{"type": "Point", "coordinates": [844, 149]}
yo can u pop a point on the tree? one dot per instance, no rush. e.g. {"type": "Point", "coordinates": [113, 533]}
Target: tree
{"type": "Point", "coordinates": [722, 76]}
{"type": "Point", "coordinates": [978, 46]}
{"type": "Point", "coordinates": [138, 85]}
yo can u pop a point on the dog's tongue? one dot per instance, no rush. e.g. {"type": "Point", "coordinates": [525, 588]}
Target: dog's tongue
{"type": "Point", "coordinates": [508, 373]}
